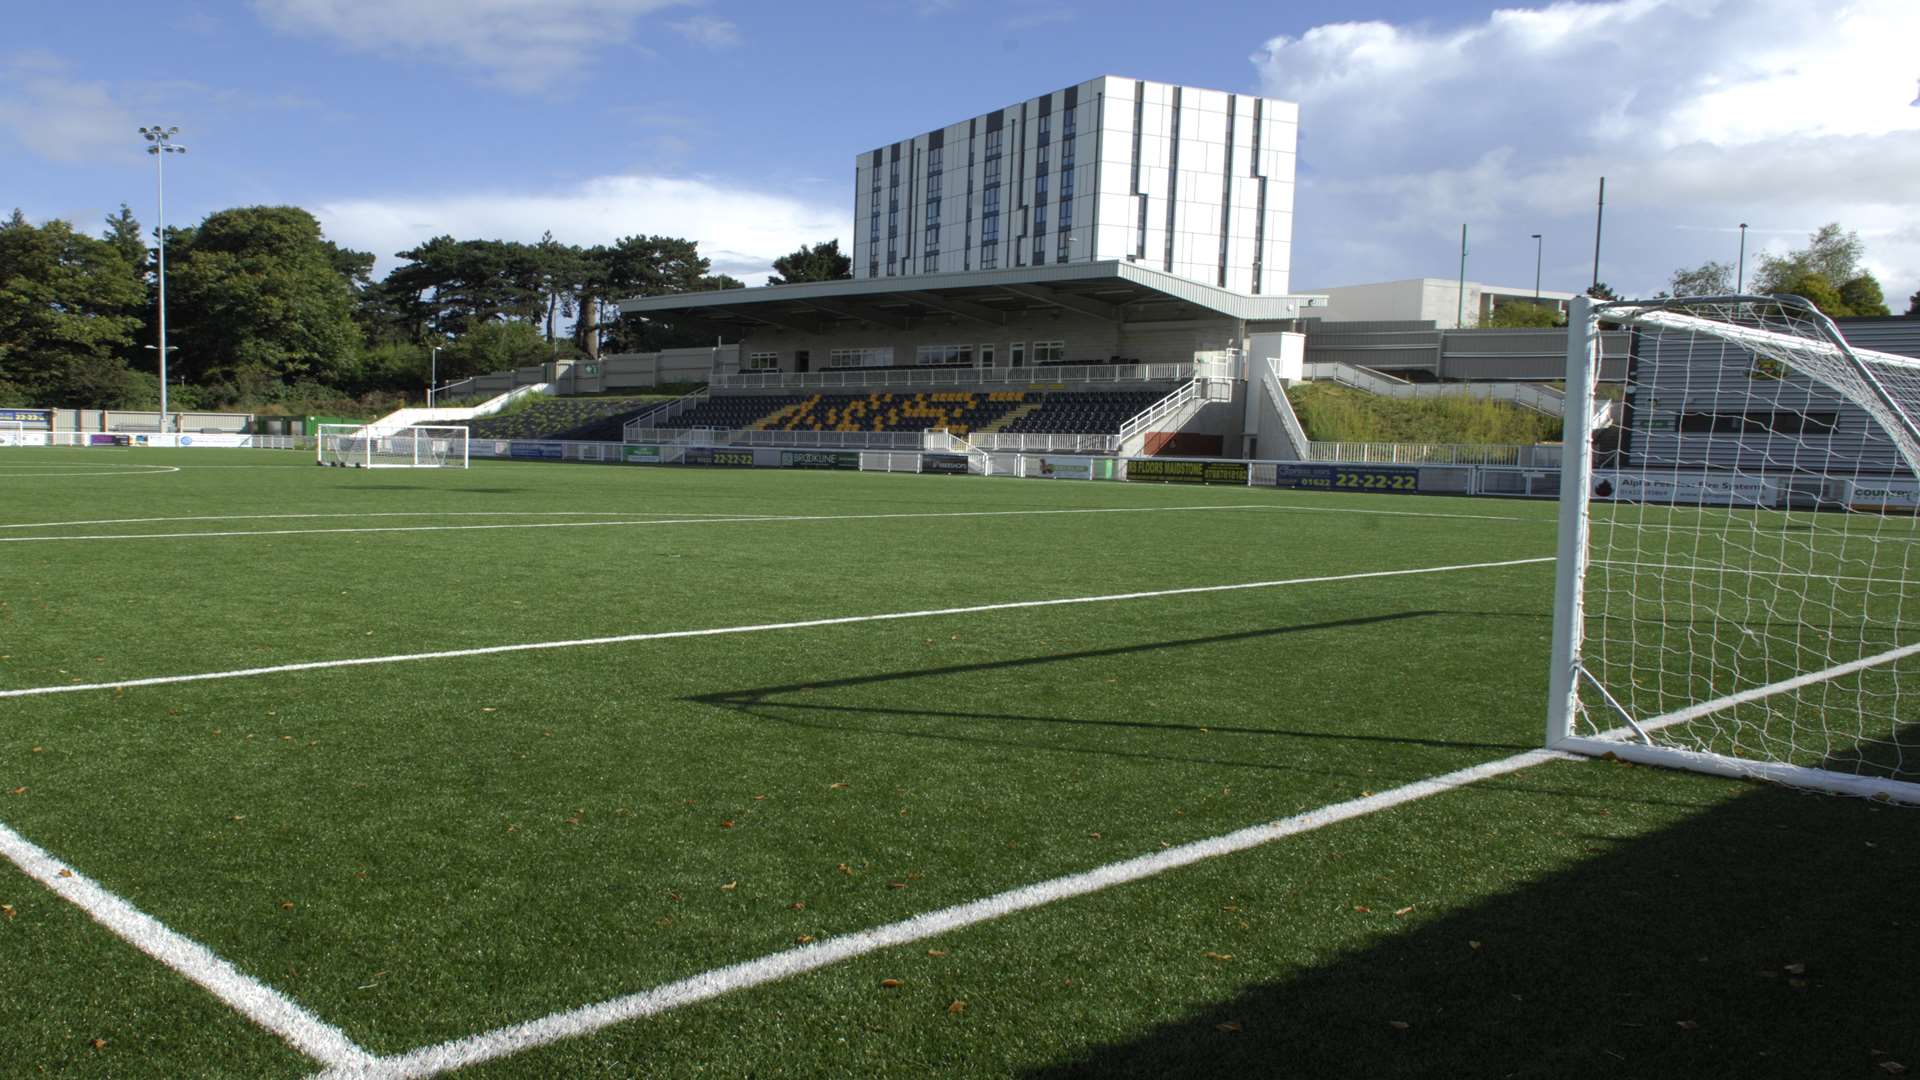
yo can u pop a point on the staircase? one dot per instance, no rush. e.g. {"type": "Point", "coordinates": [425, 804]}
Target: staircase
{"type": "Point", "coordinates": [1019, 412]}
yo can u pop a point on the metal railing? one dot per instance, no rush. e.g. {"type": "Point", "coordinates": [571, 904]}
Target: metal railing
{"type": "Point", "coordinates": [1276, 391]}
{"type": "Point", "coordinates": [1527, 395]}
{"type": "Point", "coordinates": [1143, 421]}
{"type": "Point", "coordinates": [1533, 457]}
{"type": "Point", "coordinates": [1040, 443]}
{"type": "Point", "coordinates": [877, 378]}
{"type": "Point", "coordinates": [853, 440]}
{"type": "Point", "coordinates": [664, 411]}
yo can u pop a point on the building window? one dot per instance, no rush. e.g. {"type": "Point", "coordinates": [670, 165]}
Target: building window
{"type": "Point", "coordinates": [1017, 353]}
{"type": "Point", "coordinates": [932, 355]}
{"type": "Point", "coordinates": [986, 356]}
{"type": "Point", "coordinates": [763, 361]}
{"type": "Point", "coordinates": [870, 356]}
{"type": "Point", "coordinates": [1049, 352]}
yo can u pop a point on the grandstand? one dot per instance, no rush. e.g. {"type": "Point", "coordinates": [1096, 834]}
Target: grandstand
{"type": "Point", "coordinates": [585, 419]}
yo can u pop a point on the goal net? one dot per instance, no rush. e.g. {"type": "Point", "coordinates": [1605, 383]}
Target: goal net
{"type": "Point", "coordinates": [353, 446]}
{"type": "Point", "coordinates": [13, 433]}
{"type": "Point", "coordinates": [1739, 585]}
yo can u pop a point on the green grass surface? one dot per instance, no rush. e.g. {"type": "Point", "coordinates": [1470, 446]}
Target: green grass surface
{"type": "Point", "coordinates": [1333, 413]}
{"type": "Point", "coordinates": [421, 851]}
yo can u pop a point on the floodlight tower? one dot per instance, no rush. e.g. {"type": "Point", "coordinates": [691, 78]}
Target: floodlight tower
{"type": "Point", "coordinates": [160, 143]}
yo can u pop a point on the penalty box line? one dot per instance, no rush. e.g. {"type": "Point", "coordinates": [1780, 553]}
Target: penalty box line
{"type": "Point", "coordinates": [532, 1034]}
{"type": "Point", "coordinates": [242, 993]}
{"type": "Point", "coordinates": [801, 624]}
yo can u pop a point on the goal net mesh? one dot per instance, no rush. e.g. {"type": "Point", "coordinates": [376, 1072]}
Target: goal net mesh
{"type": "Point", "coordinates": [407, 448]}
{"type": "Point", "coordinates": [1750, 582]}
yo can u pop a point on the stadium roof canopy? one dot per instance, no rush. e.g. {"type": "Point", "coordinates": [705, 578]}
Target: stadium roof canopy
{"type": "Point", "coordinates": [1113, 291]}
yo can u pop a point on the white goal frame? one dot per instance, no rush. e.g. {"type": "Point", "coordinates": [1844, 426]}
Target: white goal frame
{"type": "Point", "coordinates": [13, 432]}
{"type": "Point", "coordinates": [421, 446]}
{"type": "Point", "coordinates": [1782, 338]}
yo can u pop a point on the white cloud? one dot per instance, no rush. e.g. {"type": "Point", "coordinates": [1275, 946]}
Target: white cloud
{"type": "Point", "coordinates": [1700, 113]}
{"type": "Point", "coordinates": [715, 33]}
{"type": "Point", "coordinates": [740, 230]}
{"type": "Point", "coordinates": [523, 44]}
{"type": "Point", "coordinates": [66, 120]}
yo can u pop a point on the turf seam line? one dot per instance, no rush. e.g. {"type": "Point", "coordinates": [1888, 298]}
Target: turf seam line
{"type": "Point", "coordinates": [661, 519]}
{"type": "Point", "coordinates": [249, 997]}
{"type": "Point", "coordinates": [373, 514]}
{"type": "Point", "coordinates": [517, 1038]}
{"type": "Point", "coordinates": [802, 624]}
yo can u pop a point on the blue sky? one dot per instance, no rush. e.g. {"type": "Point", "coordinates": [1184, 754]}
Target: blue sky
{"type": "Point", "coordinates": [736, 123]}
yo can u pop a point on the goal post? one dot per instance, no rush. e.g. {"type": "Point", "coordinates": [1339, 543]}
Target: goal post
{"type": "Point", "coordinates": [356, 446]}
{"type": "Point", "coordinates": [1738, 586]}
{"type": "Point", "coordinates": [13, 433]}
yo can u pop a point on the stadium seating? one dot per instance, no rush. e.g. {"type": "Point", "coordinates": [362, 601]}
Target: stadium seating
{"type": "Point", "coordinates": [962, 412]}
{"type": "Point", "coordinates": [560, 418]}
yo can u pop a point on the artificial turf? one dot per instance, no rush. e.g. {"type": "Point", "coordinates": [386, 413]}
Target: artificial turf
{"type": "Point", "coordinates": [420, 851]}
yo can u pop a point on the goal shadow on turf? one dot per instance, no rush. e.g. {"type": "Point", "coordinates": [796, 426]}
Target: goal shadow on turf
{"type": "Point", "coordinates": [773, 703]}
{"type": "Point", "coordinates": [1768, 935]}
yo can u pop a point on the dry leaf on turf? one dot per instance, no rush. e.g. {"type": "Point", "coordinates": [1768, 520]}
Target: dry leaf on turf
{"type": "Point", "coordinates": [957, 1007]}
{"type": "Point", "coordinates": [1893, 1068]}
{"type": "Point", "coordinates": [1362, 908]}
{"type": "Point", "coordinates": [64, 872]}
{"type": "Point", "coordinates": [896, 884]}
{"type": "Point", "coordinates": [797, 905]}
{"type": "Point", "coordinates": [803, 939]}
{"type": "Point", "coordinates": [7, 911]}
{"type": "Point", "coordinates": [730, 886]}
{"type": "Point", "coordinates": [836, 787]}
{"type": "Point", "coordinates": [286, 905]}
{"type": "Point", "coordinates": [890, 984]}
{"type": "Point", "coordinates": [1228, 1028]}
{"type": "Point", "coordinates": [936, 953]}
{"type": "Point", "coordinates": [1404, 911]}
{"type": "Point", "coordinates": [1398, 1025]}
{"type": "Point", "coordinates": [18, 791]}
{"type": "Point", "coordinates": [1474, 945]}
{"type": "Point", "coordinates": [1218, 956]}
{"type": "Point", "coordinates": [98, 1044]}
{"type": "Point", "coordinates": [1795, 969]}
{"type": "Point", "coordinates": [1686, 1025]}
{"type": "Point", "coordinates": [727, 824]}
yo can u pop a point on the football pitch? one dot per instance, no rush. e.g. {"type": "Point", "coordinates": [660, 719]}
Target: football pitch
{"type": "Point", "coordinates": [538, 770]}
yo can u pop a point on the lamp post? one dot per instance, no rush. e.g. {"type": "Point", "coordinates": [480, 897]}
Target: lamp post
{"type": "Point", "coordinates": [433, 374]}
{"type": "Point", "coordinates": [1740, 275]}
{"type": "Point", "coordinates": [160, 143]}
{"type": "Point", "coordinates": [1460, 308]}
{"type": "Point", "coordinates": [1539, 246]}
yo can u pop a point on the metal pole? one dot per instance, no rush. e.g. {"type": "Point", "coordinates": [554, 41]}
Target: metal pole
{"type": "Point", "coordinates": [433, 374]}
{"type": "Point", "coordinates": [1599, 218]}
{"type": "Point", "coordinates": [1538, 245]}
{"type": "Point", "coordinates": [1460, 309]}
{"type": "Point", "coordinates": [1740, 275]}
{"type": "Point", "coordinates": [160, 184]}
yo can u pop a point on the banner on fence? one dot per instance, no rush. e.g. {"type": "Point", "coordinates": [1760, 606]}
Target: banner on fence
{"type": "Point", "coordinates": [1062, 468]}
{"type": "Point", "coordinates": [211, 439]}
{"type": "Point", "coordinates": [820, 459]}
{"type": "Point", "coordinates": [1696, 488]}
{"type": "Point", "coordinates": [1384, 478]}
{"type": "Point", "coordinates": [1883, 495]}
{"type": "Point", "coordinates": [706, 455]}
{"type": "Point", "coordinates": [640, 455]}
{"type": "Point", "coordinates": [548, 450]}
{"type": "Point", "coordinates": [951, 464]}
{"type": "Point", "coordinates": [98, 439]}
{"type": "Point", "coordinates": [41, 417]}
{"type": "Point", "coordinates": [1187, 472]}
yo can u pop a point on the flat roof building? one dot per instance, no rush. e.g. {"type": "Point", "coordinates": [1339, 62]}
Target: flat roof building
{"type": "Point", "coordinates": [1437, 300]}
{"type": "Point", "coordinates": [1191, 182]}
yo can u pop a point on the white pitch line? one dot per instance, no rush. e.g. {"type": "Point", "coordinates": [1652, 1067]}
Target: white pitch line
{"type": "Point", "coordinates": [244, 994]}
{"type": "Point", "coordinates": [516, 1038]}
{"type": "Point", "coordinates": [666, 635]}
{"type": "Point", "coordinates": [665, 519]}
{"type": "Point", "coordinates": [373, 514]}
{"type": "Point", "coordinates": [73, 472]}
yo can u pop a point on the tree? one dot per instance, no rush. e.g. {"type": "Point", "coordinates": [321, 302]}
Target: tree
{"type": "Point", "coordinates": [1862, 296]}
{"type": "Point", "coordinates": [1522, 314]}
{"type": "Point", "coordinates": [493, 346]}
{"type": "Point", "coordinates": [66, 322]}
{"type": "Point", "coordinates": [1831, 252]}
{"type": "Point", "coordinates": [262, 300]}
{"type": "Point", "coordinates": [1710, 278]}
{"type": "Point", "coordinates": [1602, 291]}
{"type": "Point", "coordinates": [821, 262]}
{"type": "Point", "coordinates": [1913, 305]}
{"type": "Point", "coordinates": [1815, 288]}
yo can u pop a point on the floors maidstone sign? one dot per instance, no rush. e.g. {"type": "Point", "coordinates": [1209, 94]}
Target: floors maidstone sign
{"type": "Point", "coordinates": [1188, 472]}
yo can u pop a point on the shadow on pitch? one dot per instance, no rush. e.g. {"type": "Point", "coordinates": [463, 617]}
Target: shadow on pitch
{"type": "Point", "coordinates": [1770, 935]}
{"type": "Point", "coordinates": [773, 702]}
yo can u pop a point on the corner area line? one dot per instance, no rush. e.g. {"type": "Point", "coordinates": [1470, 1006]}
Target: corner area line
{"type": "Point", "coordinates": [665, 635]}
{"type": "Point", "coordinates": [516, 1038]}
{"type": "Point", "coordinates": [244, 994]}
